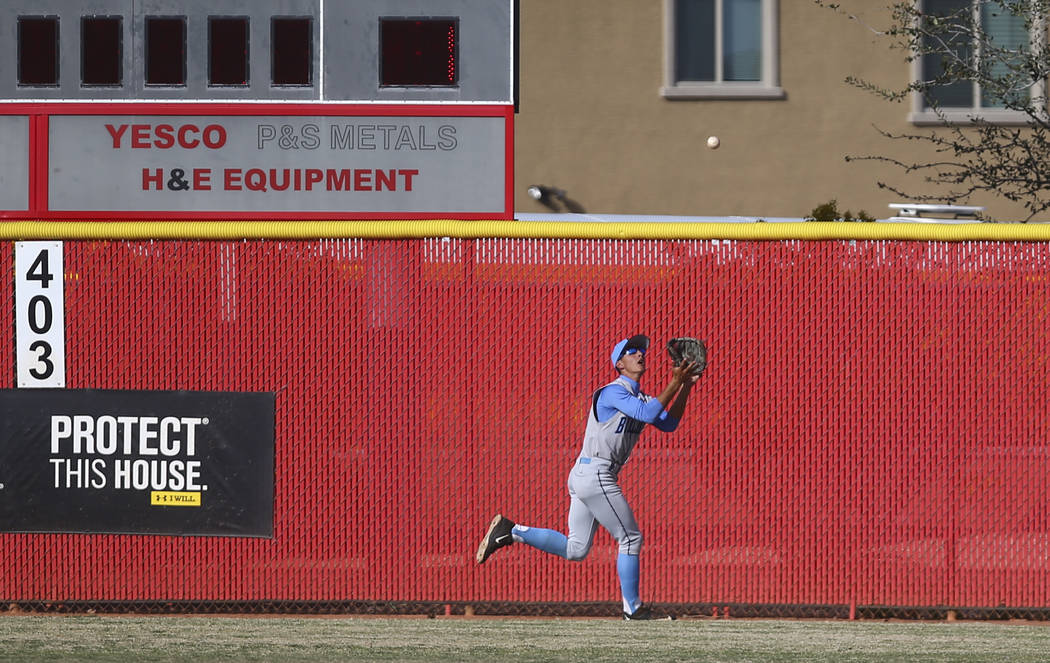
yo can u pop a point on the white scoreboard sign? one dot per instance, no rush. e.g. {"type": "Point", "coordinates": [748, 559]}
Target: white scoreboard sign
{"type": "Point", "coordinates": [250, 165]}
{"type": "Point", "coordinates": [40, 336]}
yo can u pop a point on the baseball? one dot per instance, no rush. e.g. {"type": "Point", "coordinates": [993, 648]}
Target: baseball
{"type": "Point", "coordinates": [713, 142]}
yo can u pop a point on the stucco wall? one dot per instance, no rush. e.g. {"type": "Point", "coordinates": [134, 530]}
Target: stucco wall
{"type": "Point", "coordinates": [592, 120]}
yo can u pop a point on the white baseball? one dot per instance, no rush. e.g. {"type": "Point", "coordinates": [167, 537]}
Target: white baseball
{"type": "Point", "coordinates": [713, 142]}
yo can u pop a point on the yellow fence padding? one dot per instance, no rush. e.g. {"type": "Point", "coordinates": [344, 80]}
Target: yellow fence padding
{"type": "Point", "coordinates": [414, 229]}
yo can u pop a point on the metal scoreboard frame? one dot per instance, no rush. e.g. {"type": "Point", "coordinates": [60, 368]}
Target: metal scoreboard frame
{"type": "Point", "coordinates": [387, 109]}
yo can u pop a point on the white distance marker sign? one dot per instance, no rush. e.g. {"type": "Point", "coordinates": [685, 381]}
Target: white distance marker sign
{"type": "Point", "coordinates": [40, 326]}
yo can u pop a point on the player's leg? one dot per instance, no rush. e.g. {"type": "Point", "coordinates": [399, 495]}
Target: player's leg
{"type": "Point", "coordinates": [582, 527]}
{"type": "Point", "coordinates": [575, 546]}
{"type": "Point", "coordinates": [611, 509]}
{"type": "Point", "coordinates": [548, 540]}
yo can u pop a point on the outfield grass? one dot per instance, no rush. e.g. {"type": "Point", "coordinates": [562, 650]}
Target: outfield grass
{"type": "Point", "coordinates": [231, 639]}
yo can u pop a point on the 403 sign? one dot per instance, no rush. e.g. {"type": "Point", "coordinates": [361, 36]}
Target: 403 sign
{"type": "Point", "coordinates": [39, 315]}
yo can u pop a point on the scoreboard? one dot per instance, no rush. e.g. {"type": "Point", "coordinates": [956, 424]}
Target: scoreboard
{"type": "Point", "coordinates": [257, 108]}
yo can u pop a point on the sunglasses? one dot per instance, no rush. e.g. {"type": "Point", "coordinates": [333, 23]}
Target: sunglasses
{"type": "Point", "coordinates": [631, 351]}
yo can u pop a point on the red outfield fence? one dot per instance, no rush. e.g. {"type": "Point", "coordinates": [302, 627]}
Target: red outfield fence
{"type": "Point", "coordinates": [871, 433]}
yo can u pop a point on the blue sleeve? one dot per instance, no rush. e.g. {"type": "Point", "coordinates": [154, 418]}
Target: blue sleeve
{"type": "Point", "coordinates": [615, 398]}
{"type": "Point", "coordinates": [666, 423]}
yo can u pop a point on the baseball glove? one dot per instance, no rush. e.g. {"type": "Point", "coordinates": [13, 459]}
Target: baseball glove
{"type": "Point", "coordinates": [687, 348]}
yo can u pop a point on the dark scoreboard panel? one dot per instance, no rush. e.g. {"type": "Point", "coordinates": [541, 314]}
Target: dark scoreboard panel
{"type": "Point", "coordinates": [452, 51]}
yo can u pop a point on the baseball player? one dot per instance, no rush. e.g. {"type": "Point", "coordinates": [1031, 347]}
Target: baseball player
{"type": "Point", "coordinates": [618, 413]}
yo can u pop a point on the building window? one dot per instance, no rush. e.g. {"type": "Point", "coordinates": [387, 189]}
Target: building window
{"type": "Point", "coordinates": [228, 51]}
{"type": "Point", "coordinates": [38, 51]}
{"type": "Point", "coordinates": [418, 52]}
{"type": "Point", "coordinates": [100, 51]}
{"type": "Point", "coordinates": [721, 49]}
{"type": "Point", "coordinates": [291, 51]}
{"type": "Point", "coordinates": [962, 100]}
{"type": "Point", "coordinates": [165, 51]}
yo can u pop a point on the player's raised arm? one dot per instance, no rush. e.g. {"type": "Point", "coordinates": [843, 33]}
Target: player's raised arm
{"type": "Point", "coordinates": [678, 405]}
{"type": "Point", "coordinates": [680, 375]}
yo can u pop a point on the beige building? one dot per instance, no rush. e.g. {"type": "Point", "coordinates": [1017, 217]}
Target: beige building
{"type": "Point", "coordinates": [619, 97]}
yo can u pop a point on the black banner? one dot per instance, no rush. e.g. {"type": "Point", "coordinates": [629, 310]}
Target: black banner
{"type": "Point", "coordinates": [136, 462]}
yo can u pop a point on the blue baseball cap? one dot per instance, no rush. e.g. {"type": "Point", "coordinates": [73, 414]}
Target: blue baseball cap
{"type": "Point", "coordinates": [639, 341]}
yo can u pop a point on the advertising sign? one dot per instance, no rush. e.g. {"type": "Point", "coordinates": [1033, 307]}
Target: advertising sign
{"type": "Point", "coordinates": [378, 165]}
{"type": "Point", "coordinates": [136, 462]}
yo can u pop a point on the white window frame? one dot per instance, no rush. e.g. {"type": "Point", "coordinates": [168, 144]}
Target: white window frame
{"type": "Point", "coordinates": [922, 116]}
{"type": "Point", "coordinates": [768, 87]}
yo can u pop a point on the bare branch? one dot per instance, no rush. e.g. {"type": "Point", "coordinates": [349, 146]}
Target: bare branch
{"type": "Point", "coordinates": [836, 7]}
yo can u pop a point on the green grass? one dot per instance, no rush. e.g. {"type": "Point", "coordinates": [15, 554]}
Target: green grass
{"type": "Point", "coordinates": [231, 639]}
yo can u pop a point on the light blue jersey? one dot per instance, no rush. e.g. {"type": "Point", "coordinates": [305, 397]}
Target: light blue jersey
{"type": "Point", "coordinates": [619, 412]}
